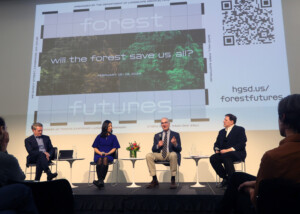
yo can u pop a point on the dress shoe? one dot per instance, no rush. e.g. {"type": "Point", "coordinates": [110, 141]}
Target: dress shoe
{"type": "Point", "coordinates": [173, 185]}
{"type": "Point", "coordinates": [50, 176]}
{"type": "Point", "coordinates": [152, 185]}
{"type": "Point", "coordinates": [223, 184]}
{"type": "Point", "coordinates": [101, 183]}
{"type": "Point", "coordinates": [98, 183]}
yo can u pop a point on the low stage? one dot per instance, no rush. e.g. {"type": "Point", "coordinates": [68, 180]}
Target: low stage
{"type": "Point", "coordinates": [120, 199]}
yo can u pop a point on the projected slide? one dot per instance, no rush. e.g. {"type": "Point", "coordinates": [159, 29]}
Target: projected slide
{"type": "Point", "coordinates": [123, 63]}
{"type": "Point", "coordinates": [135, 61]}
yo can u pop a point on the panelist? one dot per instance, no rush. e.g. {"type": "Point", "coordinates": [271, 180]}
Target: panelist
{"type": "Point", "coordinates": [40, 152]}
{"type": "Point", "coordinates": [166, 147]}
{"type": "Point", "coordinates": [104, 146]}
{"type": "Point", "coordinates": [229, 147]}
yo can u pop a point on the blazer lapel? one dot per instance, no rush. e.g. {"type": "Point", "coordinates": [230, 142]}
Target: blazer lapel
{"type": "Point", "coordinates": [170, 144]}
{"type": "Point", "coordinates": [231, 133]}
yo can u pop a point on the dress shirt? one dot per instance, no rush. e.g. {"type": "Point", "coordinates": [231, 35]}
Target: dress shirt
{"type": "Point", "coordinates": [228, 130]}
{"type": "Point", "coordinates": [168, 138]}
{"type": "Point", "coordinates": [40, 143]}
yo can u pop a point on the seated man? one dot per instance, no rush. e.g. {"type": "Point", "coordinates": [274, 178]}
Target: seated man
{"type": "Point", "coordinates": [166, 146]}
{"type": "Point", "coordinates": [229, 147]}
{"type": "Point", "coordinates": [281, 162]}
{"type": "Point", "coordinates": [40, 151]}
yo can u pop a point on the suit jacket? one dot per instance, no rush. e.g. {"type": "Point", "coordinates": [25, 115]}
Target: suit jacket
{"type": "Point", "coordinates": [33, 148]}
{"type": "Point", "coordinates": [172, 148]}
{"type": "Point", "coordinates": [236, 139]}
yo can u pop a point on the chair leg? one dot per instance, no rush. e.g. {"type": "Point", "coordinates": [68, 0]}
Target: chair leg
{"type": "Point", "coordinates": [89, 175]}
{"type": "Point", "coordinates": [116, 164]}
{"type": "Point", "coordinates": [91, 171]}
{"type": "Point", "coordinates": [30, 172]}
{"type": "Point", "coordinates": [218, 179]}
{"type": "Point", "coordinates": [25, 171]}
{"type": "Point", "coordinates": [178, 174]}
{"type": "Point", "coordinates": [117, 178]}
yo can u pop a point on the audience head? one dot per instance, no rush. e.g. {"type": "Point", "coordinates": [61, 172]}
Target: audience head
{"type": "Point", "coordinates": [37, 129]}
{"type": "Point", "coordinates": [229, 120]}
{"type": "Point", "coordinates": [2, 123]}
{"type": "Point", "coordinates": [4, 136]}
{"type": "Point", "coordinates": [106, 128]}
{"type": "Point", "coordinates": [289, 114]}
{"type": "Point", "coordinates": [165, 123]}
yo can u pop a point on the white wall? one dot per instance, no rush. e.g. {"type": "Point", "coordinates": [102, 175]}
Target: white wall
{"type": "Point", "coordinates": [16, 33]}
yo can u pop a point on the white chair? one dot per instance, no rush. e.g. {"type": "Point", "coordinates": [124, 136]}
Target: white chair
{"type": "Point", "coordinates": [92, 169]}
{"type": "Point", "coordinates": [241, 169]}
{"type": "Point", "coordinates": [167, 164]}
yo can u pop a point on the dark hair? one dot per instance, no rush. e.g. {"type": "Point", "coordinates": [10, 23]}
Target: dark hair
{"type": "Point", "coordinates": [34, 125]}
{"type": "Point", "coordinates": [2, 122]}
{"type": "Point", "coordinates": [231, 117]}
{"type": "Point", "coordinates": [104, 131]}
{"type": "Point", "coordinates": [289, 111]}
{"type": "Point", "coordinates": [2, 126]}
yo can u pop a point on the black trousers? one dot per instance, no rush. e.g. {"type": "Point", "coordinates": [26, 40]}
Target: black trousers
{"type": "Point", "coordinates": [218, 160]}
{"type": "Point", "coordinates": [42, 164]}
{"type": "Point", "coordinates": [234, 200]}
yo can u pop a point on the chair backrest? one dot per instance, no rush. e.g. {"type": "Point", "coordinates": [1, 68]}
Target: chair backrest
{"type": "Point", "coordinates": [55, 153]}
{"type": "Point", "coordinates": [116, 154]}
{"type": "Point", "coordinates": [278, 196]}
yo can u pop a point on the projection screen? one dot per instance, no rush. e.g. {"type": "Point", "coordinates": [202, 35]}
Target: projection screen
{"type": "Point", "coordinates": [136, 61]}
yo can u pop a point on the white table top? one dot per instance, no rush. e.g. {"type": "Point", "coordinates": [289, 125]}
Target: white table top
{"type": "Point", "coordinates": [132, 158]}
{"type": "Point", "coordinates": [196, 156]}
{"type": "Point", "coordinates": [69, 159]}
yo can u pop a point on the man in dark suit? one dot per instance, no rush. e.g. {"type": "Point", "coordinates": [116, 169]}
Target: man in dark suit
{"type": "Point", "coordinates": [40, 151]}
{"type": "Point", "coordinates": [166, 146]}
{"type": "Point", "coordinates": [229, 147]}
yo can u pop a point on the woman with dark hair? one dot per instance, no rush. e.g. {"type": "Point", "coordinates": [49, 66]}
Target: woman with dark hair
{"type": "Point", "coordinates": [104, 146]}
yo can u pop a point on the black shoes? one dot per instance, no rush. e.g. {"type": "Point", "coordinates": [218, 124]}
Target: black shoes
{"type": "Point", "coordinates": [153, 184]}
{"type": "Point", "coordinates": [99, 183]}
{"type": "Point", "coordinates": [223, 184]}
{"type": "Point", "coordinates": [50, 176]}
{"type": "Point", "coordinates": [173, 185]}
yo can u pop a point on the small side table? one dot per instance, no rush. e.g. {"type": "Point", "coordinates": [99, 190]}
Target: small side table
{"type": "Point", "coordinates": [71, 161]}
{"type": "Point", "coordinates": [196, 159]}
{"type": "Point", "coordinates": [133, 160]}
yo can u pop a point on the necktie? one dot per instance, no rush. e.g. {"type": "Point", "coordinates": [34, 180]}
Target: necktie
{"type": "Point", "coordinates": [164, 150]}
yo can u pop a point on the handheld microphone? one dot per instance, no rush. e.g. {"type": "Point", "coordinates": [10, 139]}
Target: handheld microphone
{"type": "Point", "coordinates": [160, 137]}
{"type": "Point", "coordinates": [217, 149]}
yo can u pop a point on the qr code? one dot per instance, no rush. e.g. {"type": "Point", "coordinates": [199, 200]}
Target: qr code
{"type": "Point", "coordinates": [247, 22]}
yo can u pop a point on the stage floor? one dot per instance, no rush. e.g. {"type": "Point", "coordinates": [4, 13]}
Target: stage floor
{"type": "Point", "coordinates": [120, 199]}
